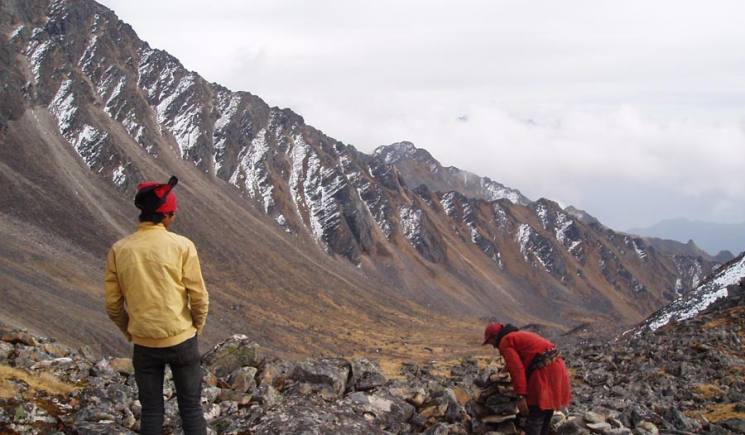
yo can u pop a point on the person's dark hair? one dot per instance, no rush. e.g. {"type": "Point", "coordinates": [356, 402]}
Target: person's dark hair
{"type": "Point", "coordinates": [155, 218]}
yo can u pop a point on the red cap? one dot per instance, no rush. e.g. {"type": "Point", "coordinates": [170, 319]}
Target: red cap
{"type": "Point", "coordinates": [491, 331]}
{"type": "Point", "coordinates": [156, 197]}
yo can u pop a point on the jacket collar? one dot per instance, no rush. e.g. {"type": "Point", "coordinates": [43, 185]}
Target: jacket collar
{"type": "Point", "coordinates": [146, 226]}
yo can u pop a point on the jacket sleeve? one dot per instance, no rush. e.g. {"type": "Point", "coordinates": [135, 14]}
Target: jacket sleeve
{"type": "Point", "coordinates": [194, 283]}
{"type": "Point", "coordinates": [516, 368]}
{"type": "Point", "coordinates": [114, 297]}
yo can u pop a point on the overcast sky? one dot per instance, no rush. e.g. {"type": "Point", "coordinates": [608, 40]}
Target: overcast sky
{"type": "Point", "coordinates": [631, 110]}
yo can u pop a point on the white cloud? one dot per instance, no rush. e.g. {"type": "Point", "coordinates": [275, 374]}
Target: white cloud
{"type": "Point", "coordinates": [601, 104]}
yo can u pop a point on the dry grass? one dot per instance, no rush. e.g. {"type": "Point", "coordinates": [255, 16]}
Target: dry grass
{"type": "Point", "coordinates": [722, 411]}
{"type": "Point", "coordinates": [708, 391]}
{"type": "Point", "coordinates": [728, 317]}
{"type": "Point", "coordinates": [44, 382]}
{"type": "Point", "coordinates": [391, 369]}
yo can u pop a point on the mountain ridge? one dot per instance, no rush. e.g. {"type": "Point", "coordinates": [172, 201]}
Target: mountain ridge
{"type": "Point", "coordinates": [290, 223]}
{"type": "Point", "coordinates": [716, 238]}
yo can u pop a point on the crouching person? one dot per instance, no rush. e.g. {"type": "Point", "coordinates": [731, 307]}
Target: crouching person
{"type": "Point", "coordinates": [538, 373]}
{"type": "Point", "coordinates": [156, 296]}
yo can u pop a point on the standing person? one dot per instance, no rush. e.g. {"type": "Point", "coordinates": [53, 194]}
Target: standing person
{"type": "Point", "coordinates": [538, 373]}
{"type": "Point", "coordinates": [157, 275]}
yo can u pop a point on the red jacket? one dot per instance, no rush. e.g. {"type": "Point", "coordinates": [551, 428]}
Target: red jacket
{"type": "Point", "coordinates": [548, 387]}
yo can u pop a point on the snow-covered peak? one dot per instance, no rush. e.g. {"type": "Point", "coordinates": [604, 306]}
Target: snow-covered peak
{"type": "Point", "coordinates": [697, 300]}
{"type": "Point", "coordinates": [396, 152]}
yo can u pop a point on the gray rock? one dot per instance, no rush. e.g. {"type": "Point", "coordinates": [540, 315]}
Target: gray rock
{"type": "Point", "coordinates": [388, 413]}
{"type": "Point", "coordinates": [329, 372]}
{"type": "Point", "coordinates": [242, 380]}
{"type": "Point", "coordinates": [267, 395]}
{"type": "Point", "coordinates": [27, 356]}
{"type": "Point", "coordinates": [212, 412]}
{"type": "Point", "coordinates": [6, 349]}
{"type": "Point", "coordinates": [646, 428]}
{"type": "Point", "coordinates": [234, 353]}
{"type": "Point", "coordinates": [210, 394]}
{"type": "Point", "coordinates": [593, 417]}
{"type": "Point", "coordinates": [365, 375]}
{"type": "Point", "coordinates": [20, 336]}
{"type": "Point", "coordinates": [103, 369]}
{"type": "Point", "coordinates": [123, 366]}
{"type": "Point", "coordinates": [277, 374]}
{"type": "Point", "coordinates": [87, 353]}
{"type": "Point", "coordinates": [312, 416]}
{"type": "Point", "coordinates": [57, 350]}
{"type": "Point", "coordinates": [101, 428]}
{"type": "Point", "coordinates": [680, 421]}
{"type": "Point", "coordinates": [600, 428]}
{"type": "Point", "coordinates": [735, 425]}
{"type": "Point", "coordinates": [572, 426]}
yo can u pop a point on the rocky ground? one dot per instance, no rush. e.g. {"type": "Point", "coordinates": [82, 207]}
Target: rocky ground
{"type": "Point", "coordinates": [683, 378]}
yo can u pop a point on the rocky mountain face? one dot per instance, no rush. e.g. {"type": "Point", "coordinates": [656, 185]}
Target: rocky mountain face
{"type": "Point", "coordinates": [417, 167]}
{"type": "Point", "coordinates": [293, 227]}
{"type": "Point", "coordinates": [714, 288]}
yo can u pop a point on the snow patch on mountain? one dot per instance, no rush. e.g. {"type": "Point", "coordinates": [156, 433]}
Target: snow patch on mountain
{"type": "Point", "coordinates": [118, 176]}
{"type": "Point", "coordinates": [374, 199]}
{"type": "Point", "coordinates": [251, 174]}
{"type": "Point", "coordinates": [227, 106]}
{"type": "Point", "coordinates": [542, 213]}
{"type": "Point", "coordinates": [89, 55]}
{"type": "Point", "coordinates": [411, 224]}
{"type": "Point", "coordinates": [298, 153]}
{"type": "Point", "coordinates": [63, 106]}
{"type": "Point", "coordinates": [697, 300]}
{"type": "Point", "coordinates": [37, 55]}
{"type": "Point", "coordinates": [522, 238]}
{"type": "Point", "coordinates": [319, 187]}
{"type": "Point", "coordinates": [534, 245]}
{"type": "Point", "coordinates": [495, 191]}
{"type": "Point", "coordinates": [313, 188]}
{"type": "Point", "coordinates": [16, 33]}
{"type": "Point", "coordinates": [174, 99]}
{"type": "Point", "coordinates": [448, 203]}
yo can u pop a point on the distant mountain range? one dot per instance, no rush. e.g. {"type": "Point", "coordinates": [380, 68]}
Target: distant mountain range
{"type": "Point", "coordinates": [307, 243]}
{"type": "Point", "coordinates": [710, 236]}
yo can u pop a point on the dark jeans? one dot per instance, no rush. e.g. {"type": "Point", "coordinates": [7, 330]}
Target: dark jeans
{"type": "Point", "coordinates": [539, 422]}
{"type": "Point", "coordinates": [150, 363]}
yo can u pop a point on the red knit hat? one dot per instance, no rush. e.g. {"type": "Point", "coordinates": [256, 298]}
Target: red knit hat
{"type": "Point", "coordinates": [491, 331]}
{"type": "Point", "coordinates": [156, 198]}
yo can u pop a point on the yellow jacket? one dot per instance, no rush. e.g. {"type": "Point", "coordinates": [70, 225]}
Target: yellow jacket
{"type": "Point", "coordinates": [157, 275]}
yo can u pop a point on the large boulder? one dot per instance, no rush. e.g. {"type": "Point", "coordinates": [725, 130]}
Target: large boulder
{"type": "Point", "coordinates": [330, 374]}
{"type": "Point", "coordinates": [365, 375]}
{"type": "Point", "coordinates": [312, 416]}
{"type": "Point", "coordinates": [277, 373]}
{"type": "Point", "coordinates": [236, 352]}
{"type": "Point", "coordinates": [389, 413]}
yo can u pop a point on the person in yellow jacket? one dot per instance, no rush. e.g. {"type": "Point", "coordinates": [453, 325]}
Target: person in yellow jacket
{"type": "Point", "coordinates": [155, 294]}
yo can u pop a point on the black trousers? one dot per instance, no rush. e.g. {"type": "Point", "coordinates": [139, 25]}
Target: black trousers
{"type": "Point", "coordinates": [539, 421]}
{"type": "Point", "coordinates": [149, 364]}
